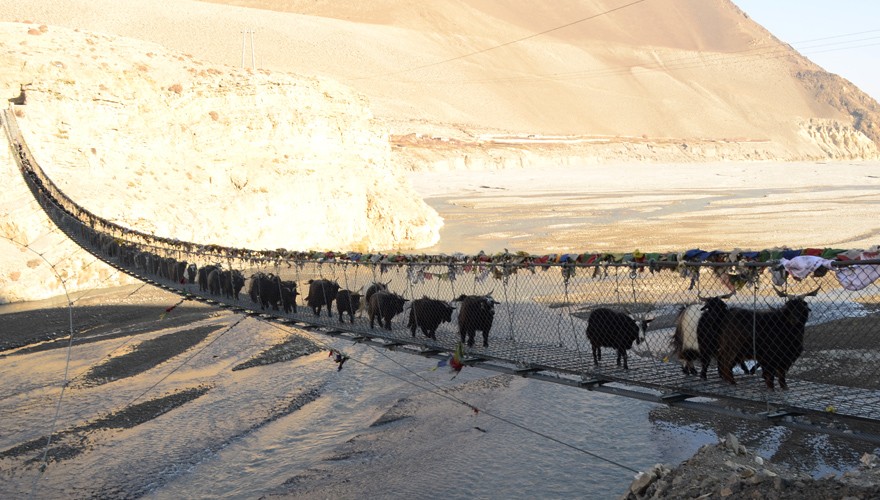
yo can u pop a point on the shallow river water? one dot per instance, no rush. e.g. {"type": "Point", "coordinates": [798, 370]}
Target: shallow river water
{"type": "Point", "coordinates": [388, 425]}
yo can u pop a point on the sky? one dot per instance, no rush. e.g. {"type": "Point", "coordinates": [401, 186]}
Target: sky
{"type": "Point", "coordinates": [842, 36]}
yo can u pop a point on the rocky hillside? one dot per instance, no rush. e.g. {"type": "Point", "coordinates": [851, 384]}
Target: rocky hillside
{"type": "Point", "coordinates": [840, 94]}
{"type": "Point", "coordinates": [243, 158]}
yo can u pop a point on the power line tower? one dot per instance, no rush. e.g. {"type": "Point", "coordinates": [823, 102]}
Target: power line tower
{"type": "Point", "coordinates": [244, 35]}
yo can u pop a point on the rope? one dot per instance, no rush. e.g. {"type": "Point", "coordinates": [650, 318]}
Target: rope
{"type": "Point", "coordinates": [438, 287]}
{"type": "Point", "coordinates": [86, 370]}
{"type": "Point", "coordinates": [575, 333]}
{"type": "Point", "coordinates": [754, 334]}
{"type": "Point", "coordinates": [111, 275]}
{"type": "Point", "coordinates": [617, 284]}
{"type": "Point", "coordinates": [444, 393]}
{"type": "Point", "coordinates": [559, 316]}
{"type": "Point", "coordinates": [65, 381]}
{"type": "Point", "coordinates": [187, 360]}
{"type": "Point", "coordinates": [453, 271]}
{"type": "Point", "coordinates": [504, 280]}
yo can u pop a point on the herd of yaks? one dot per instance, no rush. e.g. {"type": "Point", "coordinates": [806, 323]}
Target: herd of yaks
{"type": "Point", "coordinates": [772, 338]}
{"type": "Point", "coordinates": [269, 291]}
{"type": "Point", "coordinates": [711, 329]}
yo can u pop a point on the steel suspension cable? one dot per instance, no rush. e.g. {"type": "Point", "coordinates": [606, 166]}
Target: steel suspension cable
{"type": "Point", "coordinates": [444, 393]}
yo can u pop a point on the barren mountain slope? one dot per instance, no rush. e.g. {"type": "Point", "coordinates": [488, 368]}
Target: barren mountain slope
{"type": "Point", "coordinates": [688, 70]}
{"type": "Point", "coordinates": [659, 69]}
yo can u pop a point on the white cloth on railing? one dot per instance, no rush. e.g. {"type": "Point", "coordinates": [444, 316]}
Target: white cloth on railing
{"type": "Point", "coordinates": [850, 277]}
{"type": "Point", "coordinates": [804, 265]}
{"type": "Point", "coordinates": [857, 277]}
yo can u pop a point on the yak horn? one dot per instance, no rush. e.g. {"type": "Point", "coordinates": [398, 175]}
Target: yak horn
{"type": "Point", "coordinates": [725, 296]}
{"type": "Point", "coordinates": [797, 296]}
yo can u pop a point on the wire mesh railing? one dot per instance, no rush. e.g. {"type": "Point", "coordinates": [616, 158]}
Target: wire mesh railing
{"type": "Point", "coordinates": [808, 323]}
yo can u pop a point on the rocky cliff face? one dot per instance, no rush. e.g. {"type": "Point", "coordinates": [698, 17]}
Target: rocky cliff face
{"type": "Point", "coordinates": [840, 94]}
{"type": "Point", "coordinates": [230, 156]}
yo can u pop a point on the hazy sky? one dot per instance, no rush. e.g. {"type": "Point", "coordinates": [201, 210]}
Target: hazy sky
{"type": "Point", "coordinates": [842, 36]}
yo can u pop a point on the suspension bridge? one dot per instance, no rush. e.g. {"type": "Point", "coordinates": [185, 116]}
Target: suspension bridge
{"type": "Point", "coordinates": [543, 307]}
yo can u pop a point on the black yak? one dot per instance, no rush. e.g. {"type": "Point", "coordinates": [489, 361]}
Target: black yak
{"type": "Point", "coordinates": [608, 328]}
{"type": "Point", "coordinates": [322, 293]}
{"type": "Point", "coordinates": [774, 338]}
{"type": "Point", "coordinates": [477, 313]}
{"type": "Point", "coordinates": [288, 296]}
{"type": "Point", "coordinates": [427, 314]}
{"type": "Point", "coordinates": [373, 288]}
{"type": "Point", "coordinates": [696, 333]}
{"type": "Point", "coordinates": [265, 290]}
{"type": "Point", "coordinates": [231, 283]}
{"type": "Point", "coordinates": [384, 305]}
{"type": "Point", "coordinates": [203, 274]}
{"type": "Point", "coordinates": [347, 302]}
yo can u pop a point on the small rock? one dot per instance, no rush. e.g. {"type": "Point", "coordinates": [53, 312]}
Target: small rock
{"type": "Point", "coordinates": [694, 493]}
{"type": "Point", "coordinates": [660, 488]}
{"type": "Point", "coordinates": [868, 460]}
{"type": "Point", "coordinates": [778, 483]}
{"type": "Point", "coordinates": [659, 470]}
{"type": "Point", "coordinates": [757, 479]}
{"type": "Point", "coordinates": [759, 460]}
{"type": "Point", "coordinates": [731, 443]}
{"type": "Point", "coordinates": [725, 492]}
{"type": "Point", "coordinates": [731, 480]}
{"type": "Point", "coordinates": [641, 482]}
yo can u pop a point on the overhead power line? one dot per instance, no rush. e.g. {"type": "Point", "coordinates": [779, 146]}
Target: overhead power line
{"type": "Point", "coordinates": [684, 62]}
{"type": "Point", "coordinates": [505, 44]}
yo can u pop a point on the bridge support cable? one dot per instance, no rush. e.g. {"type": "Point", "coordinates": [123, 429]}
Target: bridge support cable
{"type": "Point", "coordinates": [65, 380]}
{"type": "Point", "coordinates": [755, 289]}
{"type": "Point", "coordinates": [505, 279]}
{"type": "Point", "coordinates": [565, 281]}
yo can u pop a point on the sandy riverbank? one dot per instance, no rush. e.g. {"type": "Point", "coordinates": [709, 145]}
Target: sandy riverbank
{"type": "Point", "coordinates": [656, 207]}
